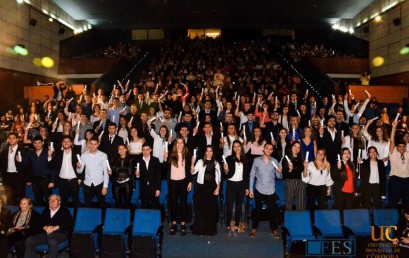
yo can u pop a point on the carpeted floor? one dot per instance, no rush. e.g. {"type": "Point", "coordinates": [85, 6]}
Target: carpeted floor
{"type": "Point", "coordinates": [262, 245]}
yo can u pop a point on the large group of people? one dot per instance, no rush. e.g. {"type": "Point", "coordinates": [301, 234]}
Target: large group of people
{"type": "Point", "coordinates": [207, 112]}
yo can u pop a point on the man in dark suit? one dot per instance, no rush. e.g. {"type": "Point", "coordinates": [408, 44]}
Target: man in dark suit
{"type": "Point", "coordinates": [202, 141]}
{"type": "Point", "coordinates": [102, 125]}
{"type": "Point", "coordinates": [56, 224]}
{"type": "Point", "coordinates": [330, 139]}
{"type": "Point", "coordinates": [64, 162]}
{"type": "Point", "coordinates": [249, 126]}
{"type": "Point", "coordinates": [208, 111]}
{"type": "Point", "coordinates": [149, 174]}
{"type": "Point", "coordinates": [13, 179]}
{"type": "Point", "coordinates": [111, 141]}
{"type": "Point", "coordinates": [135, 117]}
{"type": "Point", "coordinates": [142, 105]}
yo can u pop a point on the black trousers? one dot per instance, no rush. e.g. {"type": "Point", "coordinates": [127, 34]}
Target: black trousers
{"type": "Point", "coordinates": [178, 193]}
{"type": "Point", "coordinates": [148, 199]}
{"type": "Point", "coordinates": [90, 192]}
{"type": "Point", "coordinates": [398, 188]}
{"type": "Point", "coordinates": [346, 200]}
{"type": "Point", "coordinates": [235, 192]}
{"type": "Point", "coordinates": [41, 190]}
{"type": "Point", "coordinates": [122, 194]}
{"type": "Point", "coordinates": [17, 239]}
{"type": "Point", "coordinates": [67, 188]}
{"type": "Point", "coordinates": [52, 240]}
{"type": "Point", "coordinates": [272, 209]}
{"type": "Point", "coordinates": [316, 193]}
{"type": "Point", "coordinates": [14, 186]}
{"type": "Point", "coordinates": [372, 195]}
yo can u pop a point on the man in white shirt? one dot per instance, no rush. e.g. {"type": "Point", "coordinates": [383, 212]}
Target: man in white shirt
{"type": "Point", "coordinates": [69, 180]}
{"type": "Point", "coordinates": [13, 179]}
{"type": "Point", "coordinates": [96, 176]}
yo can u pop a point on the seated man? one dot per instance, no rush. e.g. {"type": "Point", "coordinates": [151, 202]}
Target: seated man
{"type": "Point", "coordinates": [57, 223]}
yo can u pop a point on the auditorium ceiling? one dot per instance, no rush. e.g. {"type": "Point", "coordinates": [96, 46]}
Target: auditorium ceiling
{"type": "Point", "coordinates": [212, 13]}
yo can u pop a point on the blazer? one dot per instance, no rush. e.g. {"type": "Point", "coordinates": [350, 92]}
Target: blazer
{"type": "Point", "coordinates": [111, 149]}
{"type": "Point", "coordinates": [105, 129]}
{"type": "Point", "coordinates": [339, 181]}
{"type": "Point", "coordinates": [149, 178]}
{"type": "Point", "coordinates": [201, 143]}
{"type": "Point", "coordinates": [366, 172]}
{"type": "Point", "coordinates": [232, 170]}
{"type": "Point", "coordinates": [249, 134]}
{"type": "Point", "coordinates": [4, 156]}
{"type": "Point", "coordinates": [56, 162]}
{"type": "Point", "coordinates": [331, 147]}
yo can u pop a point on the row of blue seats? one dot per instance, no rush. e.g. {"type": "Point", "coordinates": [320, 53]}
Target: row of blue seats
{"type": "Point", "coordinates": [114, 236]}
{"type": "Point", "coordinates": [301, 226]}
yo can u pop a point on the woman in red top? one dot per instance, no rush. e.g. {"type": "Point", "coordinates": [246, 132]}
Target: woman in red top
{"type": "Point", "coordinates": [345, 181]}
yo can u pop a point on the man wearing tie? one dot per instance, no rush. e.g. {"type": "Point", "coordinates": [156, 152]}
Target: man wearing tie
{"type": "Point", "coordinates": [13, 179]}
{"type": "Point", "coordinates": [143, 107]}
{"type": "Point", "coordinates": [249, 125]}
{"type": "Point", "coordinates": [149, 174]}
{"type": "Point", "coordinates": [111, 141]}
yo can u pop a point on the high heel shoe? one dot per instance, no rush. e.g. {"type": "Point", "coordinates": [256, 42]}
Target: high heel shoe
{"type": "Point", "coordinates": [183, 230]}
{"type": "Point", "coordinates": [173, 229]}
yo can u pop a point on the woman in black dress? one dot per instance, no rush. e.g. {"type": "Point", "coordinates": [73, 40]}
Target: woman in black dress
{"type": "Point", "coordinates": [122, 177]}
{"type": "Point", "coordinates": [207, 190]}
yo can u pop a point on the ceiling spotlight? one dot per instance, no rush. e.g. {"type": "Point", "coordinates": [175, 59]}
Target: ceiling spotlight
{"type": "Point", "coordinates": [20, 1]}
{"type": "Point", "coordinates": [351, 30]}
{"type": "Point", "coordinates": [378, 18]}
{"type": "Point", "coordinates": [50, 19]}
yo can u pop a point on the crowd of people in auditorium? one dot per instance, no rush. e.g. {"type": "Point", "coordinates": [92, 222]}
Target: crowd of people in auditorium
{"type": "Point", "coordinates": [224, 112]}
{"type": "Point", "coordinates": [130, 51]}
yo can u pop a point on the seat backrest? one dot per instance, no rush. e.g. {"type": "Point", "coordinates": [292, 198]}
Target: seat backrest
{"type": "Point", "coordinates": [163, 192]}
{"type": "Point", "coordinates": [146, 222]}
{"type": "Point", "coordinates": [328, 222]}
{"type": "Point", "coordinates": [12, 208]}
{"type": "Point", "coordinates": [116, 221]}
{"type": "Point", "coordinates": [87, 220]}
{"type": "Point", "coordinates": [279, 186]}
{"type": "Point", "coordinates": [385, 217]}
{"type": "Point", "coordinates": [358, 220]}
{"type": "Point", "coordinates": [298, 223]}
{"type": "Point", "coordinates": [39, 209]}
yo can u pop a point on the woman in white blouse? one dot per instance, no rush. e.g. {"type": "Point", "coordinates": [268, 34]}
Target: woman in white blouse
{"type": "Point", "coordinates": [207, 190]}
{"type": "Point", "coordinates": [227, 142]}
{"type": "Point", "coordinates": [380, 140]}
{"type": "Point", "coordinates": [160, 145]}
{"type": "Point", "coordinates": [317, 175]}
{"type": "Point", "coordinates": [356, 144]}
{"type": "Point", "coordinates": [135, 143]}
{"type": "Point", "coordinates": [89, 133]}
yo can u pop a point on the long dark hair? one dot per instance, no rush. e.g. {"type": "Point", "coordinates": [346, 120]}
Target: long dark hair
{"type": "Point", "coordinates": [242, 154]}
{"type": "Point", "coordinates": [260, 141]}
{"type": "Point", "coordinates": [174, 157]}
{"type": "Point", "coordinates": [349, 163]}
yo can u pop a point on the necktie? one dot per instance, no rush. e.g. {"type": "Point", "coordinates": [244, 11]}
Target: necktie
{"type": "Point", "coordinates": [143, 127]}
{"type": "Point", "coordinates": [110, 139]}
{"type": "Point", "coordinates": [11, 149]}
{"type": "Point", "coordinates": [402, 157]}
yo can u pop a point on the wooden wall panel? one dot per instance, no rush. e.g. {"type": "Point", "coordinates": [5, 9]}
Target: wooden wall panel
{"type": "Point", "coordinates": [388, 94]}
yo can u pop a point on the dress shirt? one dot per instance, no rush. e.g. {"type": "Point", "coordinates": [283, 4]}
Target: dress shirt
{"type": "Point", "coordinates": [53, 212]}
{"type": "Point", "coordinates": [332, 133]}
{"type": "Point", "coordinates": [67, 171]}
{"type": "Point", "coordinates": [374, 173]}
{"type": "Point", "coordinates": [147, 161]}
{"type": "Point", "coordinates": [11, 164]}
{"type": "Point", "coordinates": [266, 174]}
{"type": "Point", "coordinates": [95, 168]}
{"type": "Point", "coordinates": [399, 164]}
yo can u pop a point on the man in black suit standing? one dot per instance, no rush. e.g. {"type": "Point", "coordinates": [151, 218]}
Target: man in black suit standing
{"type": "Point", "coordinates": [102, 124]}
{"type": "Point", "coordinates": [149, 174]}
{"type": "Point", "coordinates": [13, 179]}
{"type": "Point", "coordinates": [69, 180]}
{"type": "Point", "coordinates": [56, 224]}
{"type": "Point", "coordinates": [247, 127]}
{"type": "Point", "coordinates": [111, 141]}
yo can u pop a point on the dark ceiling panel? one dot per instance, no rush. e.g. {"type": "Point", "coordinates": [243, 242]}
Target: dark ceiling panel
{"type": "Point", "coordinates": [224, 13]}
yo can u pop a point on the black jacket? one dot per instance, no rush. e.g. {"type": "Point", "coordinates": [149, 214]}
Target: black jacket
{"type": "Point", "coordinates": [56, 162]}
{"type": "Point", "coordinates": [366, 172]}
{"type": "Point", "coordinates": [232, 169]}
{"type": "Point", "coordinates": [111, 149]}
{"type": "Point", "coordinates": [150, 179]}
{"type": "Point", "coordinates": [4, 155]}
{"type": "Point", "coordinates": [62, 218]}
